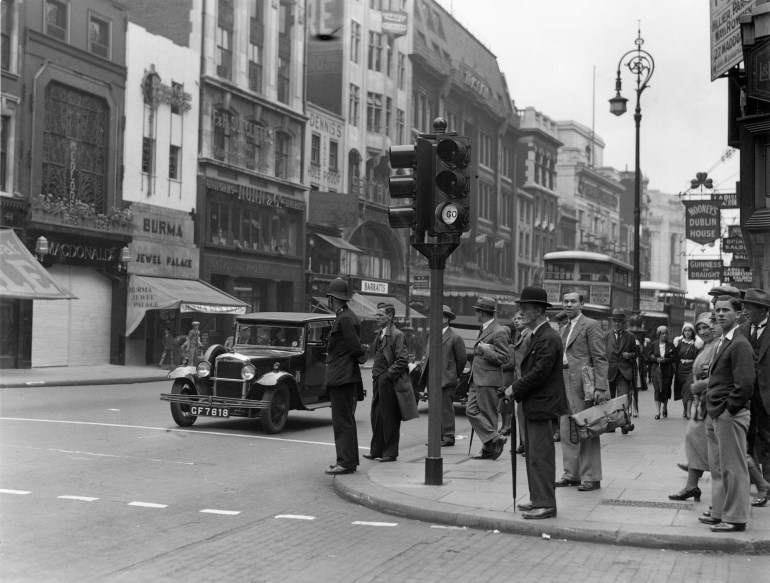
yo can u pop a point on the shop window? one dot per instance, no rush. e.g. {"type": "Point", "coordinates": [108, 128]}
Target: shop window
{"type": "Point", "coordinates": [219, 224]}
{"type": "Point", "coordinates": [57, 19]}
{"type": "Point", "coordinates": [173, 162]}
{"type": "Point", "coordinates": [99, 37]}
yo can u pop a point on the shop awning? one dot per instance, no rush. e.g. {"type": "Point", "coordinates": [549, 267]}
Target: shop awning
{"type": "Point", "coordinates": [21, 275]}
{"type": "Point", "coordinates": [186, 295]}
{"type": "Point", "coordinates": [339, 243]}
{"type": "Point", "coordinates": [372, 300]}
{"type": "Point", "coordinates": [660, 315]}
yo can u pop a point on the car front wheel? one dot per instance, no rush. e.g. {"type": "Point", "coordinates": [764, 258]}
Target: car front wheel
{"type": "Point", "coordinates": [180, 411]}
{"type": "Point", "coordinates": [276, 413]}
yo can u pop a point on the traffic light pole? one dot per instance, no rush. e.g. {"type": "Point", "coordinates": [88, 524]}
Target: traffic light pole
{"type": "Point", "coordinates": [436, 254]}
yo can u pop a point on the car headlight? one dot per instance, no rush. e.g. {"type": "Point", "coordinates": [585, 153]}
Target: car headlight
{"type": "Point", "coordinates": [248, 372]}
{"type": "Point", "coordinates": [203, 369]}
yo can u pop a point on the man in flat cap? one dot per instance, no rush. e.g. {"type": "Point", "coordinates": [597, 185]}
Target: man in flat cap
{"type": "Point", "coordinates": [453, 359]}
{"type": "Point", "coordinates": [490, 354]}
{"type": "Point", "coordinates": [756, 304]}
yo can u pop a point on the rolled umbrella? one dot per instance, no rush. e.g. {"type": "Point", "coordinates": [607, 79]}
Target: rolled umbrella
{"type": "Point", "coordinates": [514, 433]}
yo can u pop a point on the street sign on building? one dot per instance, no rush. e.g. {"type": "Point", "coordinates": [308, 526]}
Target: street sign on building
{"type": "Point", "coordinates": [726, 200]}
{"type": "Point", "coordinates": [733, 245]}
{"type": "Point", "coordinates": [737, 275]}
{"type": "Point", "coordinates": [726, 46]}
{"type": "Point", "coordinates": [704, 269]}
{"type": "Point", "coordinates": [421, 281]}
{"type": "Point", "coordinates": [702, 221]}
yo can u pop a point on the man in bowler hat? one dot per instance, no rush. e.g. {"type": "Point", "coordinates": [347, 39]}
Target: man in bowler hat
{"type": "Point", "coordinates": [453, 359]}
{"type": "Point", "coordinates": [490, 353]}
{"type": "Point", "coordinates": [540, 390]}
{"type": "Point", "coordinates": [620, 346]}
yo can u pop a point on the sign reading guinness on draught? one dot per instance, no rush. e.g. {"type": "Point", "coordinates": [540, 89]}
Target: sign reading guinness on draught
{"type": "Point", "coordinates": [704, 269]}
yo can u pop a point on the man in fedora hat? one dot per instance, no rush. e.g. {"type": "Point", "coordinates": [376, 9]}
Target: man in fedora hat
{"type": "Point", "coordinates": [756, 305]}
{"type": "Point", "coordinates": [620, 347]}
{"type": "Point", "coordinates": [540, 390]}
{"type": "Point", "coordinates": [453, 359]}
{"type": "Point", "coordinates": [490, 354]}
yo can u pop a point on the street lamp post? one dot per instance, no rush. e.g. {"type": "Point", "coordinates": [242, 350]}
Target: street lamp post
{"type": "Point", "coordinates": [641, 64]}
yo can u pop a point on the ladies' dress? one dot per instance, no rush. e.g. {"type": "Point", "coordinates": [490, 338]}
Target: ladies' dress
{"type": "Point", "coordinates": [687, 352]}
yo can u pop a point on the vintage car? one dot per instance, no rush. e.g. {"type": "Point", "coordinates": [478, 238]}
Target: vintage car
{"type": "Point", "coordinates": [277, 363]}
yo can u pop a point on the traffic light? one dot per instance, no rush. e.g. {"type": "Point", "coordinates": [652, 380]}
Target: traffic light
{"type": "Point", "coordinates": [416, 186]}
{"type": "Point", "coordinates": [452, 182]}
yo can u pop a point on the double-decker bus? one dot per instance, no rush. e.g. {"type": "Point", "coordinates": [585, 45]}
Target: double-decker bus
{"type": "Point", "coordinates": [604, 281]}
{"type": "Point", "coordinates": [662, 304]}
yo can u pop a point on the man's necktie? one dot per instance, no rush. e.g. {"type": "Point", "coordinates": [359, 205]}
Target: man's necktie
{"type": "Point", "coordinates": [753, 337]}
{"type": "Point", "coordinates": [567, 329]}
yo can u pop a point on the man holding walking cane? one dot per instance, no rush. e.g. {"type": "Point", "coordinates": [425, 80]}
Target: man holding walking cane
{"type": "Point", "coordinates": [540, 390]}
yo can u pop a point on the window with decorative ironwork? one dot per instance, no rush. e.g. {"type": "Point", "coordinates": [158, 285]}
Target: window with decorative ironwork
{"type": "Point", "coordinates": [75, 145]}
{"type": "Point", "coordinates": [99, 37]}
{"type": "Point", "coordinates": [56, 19]}
{"type": "Point", "coordinates": [173, 162]}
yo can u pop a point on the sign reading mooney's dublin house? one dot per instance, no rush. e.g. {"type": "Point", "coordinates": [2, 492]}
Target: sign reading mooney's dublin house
{"type": "Point", "coordinates": [726, 47]}
{"type": "Point", "coordinates": [734, 274]}
{"type": "Point", "coordinates": [733, 245]}
{"type": "Point", "coordinates": [704, 269]}
{"type": "Point", "coordinates": [726, 200]}
{"type": "Point", "coordinates": [702, 221]}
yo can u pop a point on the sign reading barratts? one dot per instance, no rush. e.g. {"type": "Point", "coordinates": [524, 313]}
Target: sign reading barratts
{"type": "Point", "coordinates": [702, 221]}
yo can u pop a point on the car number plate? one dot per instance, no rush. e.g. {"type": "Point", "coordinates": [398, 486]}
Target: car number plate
{"type": "Point", "coordinates": [209, 411]}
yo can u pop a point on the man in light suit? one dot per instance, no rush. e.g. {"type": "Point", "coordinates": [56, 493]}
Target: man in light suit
{"type": "Point", "coordinates": [453, 359]}
{"type": "Point", "coordinates": [756, 303]}
{"type": "Point", "coordinates": [620, 347]}
{"type": "Point", "coordinates": [583, 346]}
{"type": "Point", "coordinates": [490, 353]}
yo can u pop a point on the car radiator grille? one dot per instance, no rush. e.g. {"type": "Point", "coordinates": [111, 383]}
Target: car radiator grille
{"type": "Point", "coordinates": [229, 382]}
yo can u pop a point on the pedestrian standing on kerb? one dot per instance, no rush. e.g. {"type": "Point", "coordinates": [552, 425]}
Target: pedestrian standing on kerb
{"type": "Point", "coordinates": [343, 383]}
{"type": "Point", "coordinates": [170, 348]}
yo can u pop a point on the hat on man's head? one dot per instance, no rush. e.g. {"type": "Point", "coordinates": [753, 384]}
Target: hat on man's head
{"type": "Point", "coordinates": [447, 311]}
{"type": "Point", "coordinates": [485, 303]}
{"type": "Point", "coordinates": [535, 295]}
{"type": "Point", "coordinates": [618, 314]}
{"type": "Point", "coordinates": [196, 323]}
{"type": "Point", "coordinates": [726, 290]}
{"type": "Point", "coordinates": [757, 296]}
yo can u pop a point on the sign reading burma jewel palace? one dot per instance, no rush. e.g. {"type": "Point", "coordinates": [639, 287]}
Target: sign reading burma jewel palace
{"type": "Point", "coordinates": [704, 269]}
{"type": "Point", "coordinates": [702, 221]}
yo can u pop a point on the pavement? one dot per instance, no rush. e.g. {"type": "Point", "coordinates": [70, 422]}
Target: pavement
{"type": "Point", "coordinates": [631, 508]}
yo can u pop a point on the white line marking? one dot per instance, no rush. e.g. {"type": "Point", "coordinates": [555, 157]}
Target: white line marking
{"type": "Point", "coordinates": [363, 523]}
{"type": "Point", "coordinates": [113, 409]}
{"type": "Point", "coordinates": [173, 429]}
{"type": "Point", "coordinates": [225, 512]}
{"type": "Point", "coordinates": [295, 516]}
{"type": "Point", "coordinates": [83, 498]}
{"type": "Point", "coordinates": [148, 505]}
{"type": "Point", "coordinates": [30, 383]}
{"type": "Point", "coordinates": [448, 527]}
{"type": "Point", "coordinates": [20, 492]}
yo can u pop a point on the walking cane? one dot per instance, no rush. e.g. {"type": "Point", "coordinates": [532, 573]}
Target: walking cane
{"type": "Point", "coordinates": [514, 435]}
{"type": "Point", "coordinates": [470, 443]}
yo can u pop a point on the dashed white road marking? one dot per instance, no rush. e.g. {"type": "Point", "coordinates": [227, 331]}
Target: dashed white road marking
{"type": "Point", "coordinates": [148, 504]}
{"type": "Point", "coordinates": [19, 492]}
{"type": "Point", "coordinates": [83, 498]}
{"type": "Point", "coordinates": [364, 523]}
{"type": "Point", "coordinates": [113, 409]}
{"type": "Point", "coordinates": [225, 512]}
{"type": "Point", "coordinates": [448, 527]}
{"type": "Point", "coordinates": [295, 516]}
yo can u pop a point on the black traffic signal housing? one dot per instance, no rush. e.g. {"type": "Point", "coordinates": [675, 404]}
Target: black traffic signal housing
{"type": "Point", "coordinates": [417, 186]}
{"type": "Point", "coordinates": [452, 185]}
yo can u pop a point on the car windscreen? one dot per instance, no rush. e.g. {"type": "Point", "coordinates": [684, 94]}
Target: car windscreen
{"type": "Point", "coordinates": [269, 336]}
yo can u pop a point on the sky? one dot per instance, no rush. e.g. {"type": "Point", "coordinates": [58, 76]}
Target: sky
{"type": "Point", "coordinates": [554, 52]}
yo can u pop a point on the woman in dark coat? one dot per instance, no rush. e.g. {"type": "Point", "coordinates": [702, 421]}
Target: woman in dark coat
{"type": "Point", "coordinates": [687, 347]}
{"type": "Point", "coordinates": [661, 359]}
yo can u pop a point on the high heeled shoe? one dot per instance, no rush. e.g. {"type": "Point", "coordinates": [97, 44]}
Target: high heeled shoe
{"type": "Point", "coordinates": [657, 417]}
{"type": "Point", "coordinates": [685, 494]}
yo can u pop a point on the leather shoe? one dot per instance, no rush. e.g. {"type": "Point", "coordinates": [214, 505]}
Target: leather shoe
{"type": "Point", "coordinates": [447, 442]}
{"type": "Point", "coordinates": [498, 445]}
{"type": "Point", "coordinates": [564, 483]}
{"type": "Point", "coordinates": [588, 486]}
{"type": "Point", "coordinates": [729, 527]}
{"type": "Point", "coordinates": [483, 455]}
{"type": "Point", "coordinates": [683, 467]}
{"type": "Point", "coordinates": [338, 471]}
{"type": "Point", "coordinates": [540, 513]}
{"type": "Point", "coordinates": [761, 499]}
{"type": "Point", "coordinates": [526, 506]}
{"type": "Point", "coordinates": [370, 456]}
{"type": "Point", "coordinates": [710, 520]}
{"type": "Point", "coordinates": [387, 458]}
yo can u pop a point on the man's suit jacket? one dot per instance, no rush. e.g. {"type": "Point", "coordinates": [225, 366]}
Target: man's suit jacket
{"type": "Point", "coordinates": [486, 370]}
{"type": "Point", "coordinates": [731, 376]}
{"type": "Point", "coordinates": [453, 359]}
{"type": "Point", "coordinates": [585, 348]}
{"type": "Point", "coordinates": [541, 386]}
{"type": "Point", "coordinates": [762, 363]}
{"type": "Point", "coordinates": [615, 349]}
{"type": "Point", "coordinates": [343, 350]}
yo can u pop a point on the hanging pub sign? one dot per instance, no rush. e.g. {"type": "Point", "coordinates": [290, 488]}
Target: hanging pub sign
{"type": "Point", "coordinates": [734, 231]}
{"type": "Point", "coordinates": [735, 274]}
{"type": "Point", "coordinates": [733, 245]}
{"type": "Point", "coordinates": [726, 200]}
{"type": "Point", "coordinates": [702, 221]}
{"type": "Point", "coordinates": [704, 269]}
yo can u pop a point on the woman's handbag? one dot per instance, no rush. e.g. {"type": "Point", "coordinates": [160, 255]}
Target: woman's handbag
{"type": "Point", "coordinates": [599, 419]}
